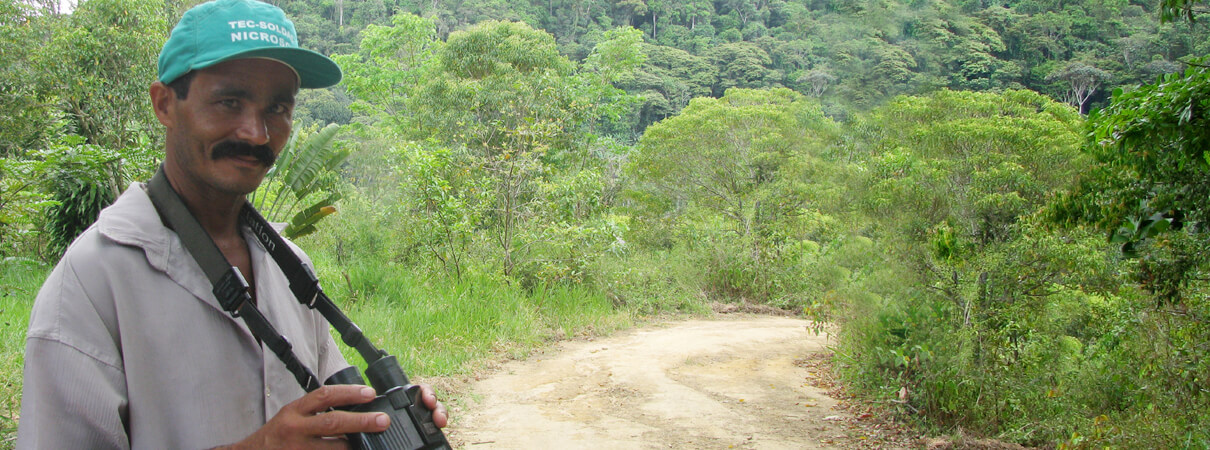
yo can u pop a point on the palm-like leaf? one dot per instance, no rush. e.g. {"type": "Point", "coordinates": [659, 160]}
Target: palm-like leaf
{"type": "Point", "coordinates": [304, 170]}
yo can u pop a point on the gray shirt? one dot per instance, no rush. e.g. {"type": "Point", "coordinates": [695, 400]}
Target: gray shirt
{"type": "Point", "coordinates": [128, 348]}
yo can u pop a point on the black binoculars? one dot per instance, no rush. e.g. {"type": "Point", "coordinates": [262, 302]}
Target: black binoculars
{"type": "Point", "coordinates": [412, 426]}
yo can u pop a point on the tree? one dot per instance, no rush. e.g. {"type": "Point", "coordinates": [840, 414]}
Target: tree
{"type": "Point", "coordinates": [388, 66]}
{"type": "Point", "coordinates": [85, 91]}
{"type": "Point", "coordinates": [818, 79]}
{"type": "Point", "coordinates": [502, 92]}
{"type": "Point", "coordinates": [741, 64]}
{"type": "Point", "coordinates": [953, 184]}
{"type": "Point", "coordinates": [740, 177]}
{"type": "Point", "coordinates": [725, 155]}
{"type": "Point", "coordinates": [100, 63]}
{"type": "Point", "coordinates": [629, 9]}
{"type": "Point", "coordinates": [1083, 80]}
{"type": "Point", "coordinates": [301, 189]}
{"type": "Point", "coordinates": [1175, 9]}
{"type": "Point", "coordinates": [666, 81]}
{"type": "Point", "coordinates": [447, 199]}
{"type": "Point", "coordinates": [26, 111]}
{"type": "Point", "coordinates": [972, 163]}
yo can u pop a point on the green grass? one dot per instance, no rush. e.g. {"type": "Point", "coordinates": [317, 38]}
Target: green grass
{"type": "Point", "coordinates": [19, 282]}
{"type": "Point", "coordinates": [440, 326]}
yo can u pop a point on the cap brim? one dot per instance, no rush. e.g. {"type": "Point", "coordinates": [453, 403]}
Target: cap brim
{"type": "Point", "coordinates": [314, 70]}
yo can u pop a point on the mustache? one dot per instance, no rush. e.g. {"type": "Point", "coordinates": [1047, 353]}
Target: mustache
{"type": "Point", "coordinates": [262, 153]}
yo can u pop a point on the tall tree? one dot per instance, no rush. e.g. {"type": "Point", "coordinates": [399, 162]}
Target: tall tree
{"type": "Point", "coordinates": [741, 64]}
{"type": "Point", "coordinates": [727, 155]}
{"type": "Point", "coordinates": [26, 112]}
{"type": "Point", "coordinates": [1083, 81]}
{"type": "Point", "coordinates": [388, 66]}
{"type": "Point", "coordinates": [976, 161]}
{"type": "Point", "coordinates": [502, 91]}
{"type": "Point", "coordinates": [100, 62]}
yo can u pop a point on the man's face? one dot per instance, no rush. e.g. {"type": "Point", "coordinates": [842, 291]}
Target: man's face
{"type": "Point", "coordinates": [224, 136]}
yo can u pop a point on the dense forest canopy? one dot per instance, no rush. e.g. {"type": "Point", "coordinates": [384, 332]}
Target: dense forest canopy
{"type": "Point", "coordinates": [1001, 204]}
{"type": "Point", "coordinates": [850, 54]}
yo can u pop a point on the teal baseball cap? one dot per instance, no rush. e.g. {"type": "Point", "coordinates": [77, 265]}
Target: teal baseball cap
{"type": "Point", "coordinates": [223, 30]}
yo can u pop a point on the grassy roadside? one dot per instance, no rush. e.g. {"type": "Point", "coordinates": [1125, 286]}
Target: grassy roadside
{"type": "Point", "coordinates": [19, 282]}
{"type": "Point", "coordinates": [440, 326]}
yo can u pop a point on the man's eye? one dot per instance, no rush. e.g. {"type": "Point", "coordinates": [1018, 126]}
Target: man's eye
{"type": "Point", "coordinates": [229, 103]}
{"type": "Point", "coordinates": [279, 109]}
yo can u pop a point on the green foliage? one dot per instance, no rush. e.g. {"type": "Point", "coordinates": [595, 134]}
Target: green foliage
{"type": "Point", "coordinates": [875, 49]}
{"type": "Point", "coordinates": [1083, 79]}
{"type": "Point", "coordinates": [1145, 193]}
{"type": "Point", "coordinates": [302, 187]}
{"type": "Point", "coordinates": [19, 281]}
{"type": "Point", "coordinates": [99, 62]}
{"type": "Point", "coordinates": [970, 161]}
{"type": "Point", "coordinates": [448, 198]}
{"type": "Point", "coordinates": [27, 114]}
{"type": "Point", "coordinates": [740, 64]}
{"type": "Point", "coordinates": [1180, 9]}
{"type": "Point", "coordinates": [1004, 320]}
{"type": "Point", "coordinates": [1151, 177]}
{"type": "Point", "coordinates": [618, 55]}
{"type": "Point", "coordinates": [666, 81]}
{"type": "Point", "coordinates": [387, 66]}
{"type": "Point", "coordinates": [736, 173]}
{"type": "Point", "coordinates": [502, 92]}
{"type": "Point", "coordinates": [80, 187]}
{"type": "Point", "coordinates": [495, 183]}
{"type": "Point", "coordinates": [22, 202]}
{"type": "Point", "coordinates": [322, 106]}
{"type": "Point", "coordinates": [443, 325]}
{"type": "Point", "coordinates": [502, 88]}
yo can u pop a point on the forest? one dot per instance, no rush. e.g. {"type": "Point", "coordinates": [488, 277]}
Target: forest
{"type": "Point", "coordinates": [997, 207]}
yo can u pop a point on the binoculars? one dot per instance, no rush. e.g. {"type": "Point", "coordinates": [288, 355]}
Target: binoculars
{"type": "Point", "coordinates": [412, 426]}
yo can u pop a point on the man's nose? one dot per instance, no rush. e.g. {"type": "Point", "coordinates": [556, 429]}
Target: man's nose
{"type": "Point", "coordinates": [253, 129]}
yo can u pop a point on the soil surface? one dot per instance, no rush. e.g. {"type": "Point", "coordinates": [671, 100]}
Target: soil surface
{"type": "Point", "coordinates": [739, 381]}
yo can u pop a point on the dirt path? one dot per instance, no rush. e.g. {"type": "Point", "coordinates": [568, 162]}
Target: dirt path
{"type": "Point", "coordinates": [734, 382]}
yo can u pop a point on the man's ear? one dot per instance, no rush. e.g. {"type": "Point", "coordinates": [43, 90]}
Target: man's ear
{"type": "Point", "coordinates": [162, 100]}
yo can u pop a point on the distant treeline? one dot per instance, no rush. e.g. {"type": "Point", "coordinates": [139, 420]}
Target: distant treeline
{"type": "Point", "coordinates": [850, 53]}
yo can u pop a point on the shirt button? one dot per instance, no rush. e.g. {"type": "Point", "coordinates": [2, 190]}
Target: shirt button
{"type": "Point", "coordinates": [266, 392]}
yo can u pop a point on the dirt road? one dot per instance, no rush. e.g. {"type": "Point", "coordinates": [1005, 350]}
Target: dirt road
{"type": "Point", "coordinates": [734, 382]}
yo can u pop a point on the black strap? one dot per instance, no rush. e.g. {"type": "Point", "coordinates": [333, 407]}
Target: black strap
{"type": "Point", "coordinates": [305, 285]}
{"type": "Point", "coordinates": [229, 286]}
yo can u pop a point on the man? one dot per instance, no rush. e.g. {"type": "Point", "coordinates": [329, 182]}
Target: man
{"type": "Point", "coordinates": [127, 346]}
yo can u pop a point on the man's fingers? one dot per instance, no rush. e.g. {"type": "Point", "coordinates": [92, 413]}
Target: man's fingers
{"type": "Point", "coordinates": [328, 397]}
{"type": "Point", "coordinates": [339, 423]}
{"type": "Point", "coordinates": [440, 417]}
{"type": "Point", "coordinates": [308, 421]}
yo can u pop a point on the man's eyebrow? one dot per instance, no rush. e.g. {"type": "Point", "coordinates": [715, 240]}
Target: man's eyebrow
{"type": "Point", "coordinates": [241, 93]}
{"type": "Point", "coordinates": [232, 92]}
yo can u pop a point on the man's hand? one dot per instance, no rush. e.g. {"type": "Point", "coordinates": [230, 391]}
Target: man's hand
{"type": "Point", "coordinates": [308, 423]}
